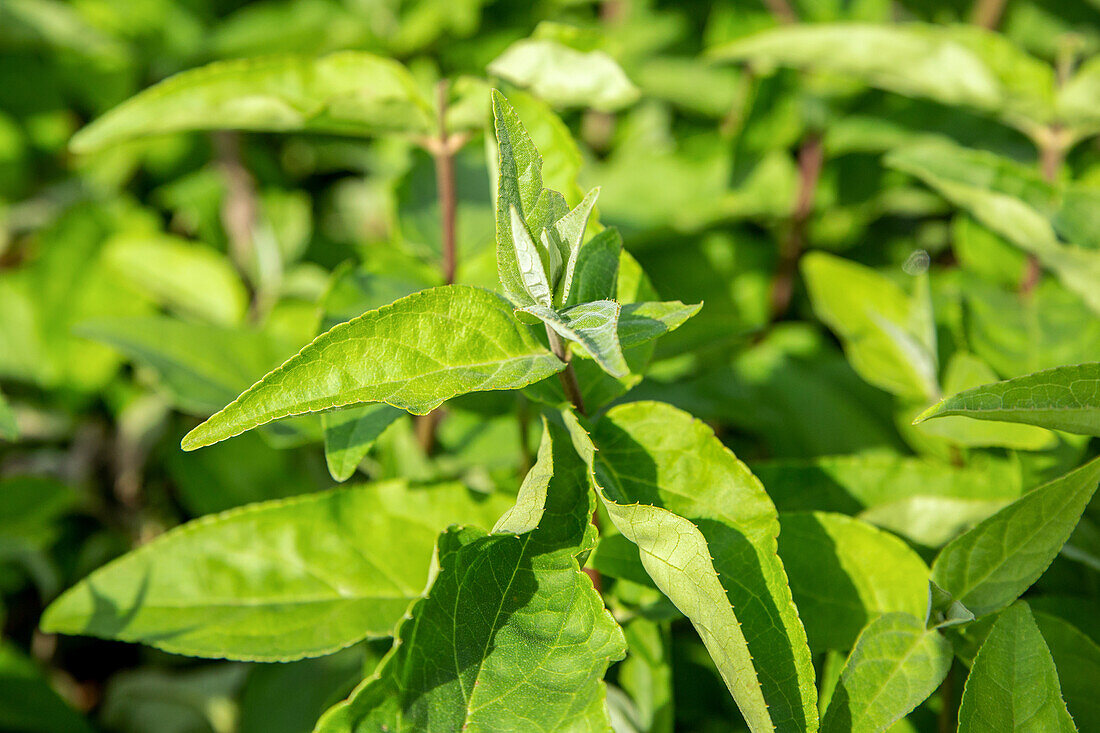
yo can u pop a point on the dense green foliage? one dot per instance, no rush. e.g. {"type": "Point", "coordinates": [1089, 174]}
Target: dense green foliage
{"type": "Point", "coordinates": [690, 366]}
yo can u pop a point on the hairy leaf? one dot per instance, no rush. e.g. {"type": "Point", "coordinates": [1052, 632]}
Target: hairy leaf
{"type": "Point", "coordinates": [677, 493]}
{"type": "Point", "coordinates": [414, 354]}
{"type": "Point", "coordinates": [274, 581]}
{"type": "Point", "coordinates": [511, 636]}
{"type": "Point", "coordinates": [350, 433]}
{"type": "Point", "coordinates": [895, 665]}
{"type": "Point", "coordinates": [1013, 685]}
{"type": "Point", "coordinates": [594, 326]}
{"type": "Point", "coordinates": [351, 93]}
{"type": "Point", "coordinates": [1064, 398]}
{"type": "Point", "coordinates": [845, 573]}
{"type": "Point", "coordinates": [567, 235]}
{"type": "Point", "coordinates": [989, 566]}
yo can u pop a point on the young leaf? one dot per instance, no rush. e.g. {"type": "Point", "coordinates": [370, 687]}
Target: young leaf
{"type": "Point", "coordinates": [534, 271]}
{"type": "Point", "coordinates": [567, 235]}
{"type": "Point", "coordinates": [595, 326]}
{"type": "Point", "coordinates": [876, 322]}
{"type": "Point", "coordinates": [350, 93]}
{"type": "Point", "coordinates": [519, 188]}
{"type": "Point", "coordinates": [895, 665]}
{"type": "Point", "coordinates": [989, 566]}
{"type": "Point", "coordinates": [1064, 398]}
{"type": "Point", "coordinates": [413, 354]}
{"type": "Point", "coordinates": [845, 573]}
{"type": "Point", "coordinates": [9, 430]}
{"type": "Point", "coordinates": [274, 581]}
{"type": "Point", "coordinates": [350, 433]}
{"type": "Point", "coordinates": [676, 492]}
{"type": "Point", "coordinates": [512, 636]}
{"type": "Point", "coordinates": [564, 76]}
{"type": "Point", "coordinates": [1013, 685]}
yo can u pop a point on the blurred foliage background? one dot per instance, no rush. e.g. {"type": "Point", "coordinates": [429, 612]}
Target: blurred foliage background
{"type": "Point", "coordinates": [143, 286]}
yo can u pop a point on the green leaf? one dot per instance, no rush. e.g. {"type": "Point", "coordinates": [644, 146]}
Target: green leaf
{"type": "Point", "coordinates": [1064, 398]}
{"type": "Point", "coordinates": [965, 371]}
{"type": "Point", "coordinates": [414, 354]}
{"type": "Point", "coordinates": [597, 268]}
{"type": "Point", "coordinates": [512, 636]}
{"type": "Point", "coordinates": [1077, 658]}
{"type": "Point", "coordinates": [519, 187]}
{"type": "Point", "coordinates": [28, 703]}
{"type": "Point", "coordinates": [989, 566]}
{"type": "Point", "coordinates": [1013, 685]}
{"type": "Point", "coordinates": [643, 322]}
{"type": "Point", "coordinates": [535, 269]}
{"type": "Point", "coordinates": [202, 366]}
{"type": "Point", "coordinates": [9, 430]}
{"type": "Point", "coordinates": [845, 573]}
{"type": "Point", "coordinates": [274, 581]}
{"type": "Point", "coordinates": [646, 673]}
{"type": "Point", "coordinates": [877, 323]}
{"type": "Point", "coordinates": [895, 665]}
{"type": "Point", "coordinates": [676, 492]}
{"type": "Point", "coordinates": [594, 326]}
{"type": "Point", "coordinates": [1014, 203]}
{"type": "Point", "coordinates": [564, 76]}
{"type": "Point", "coordinates": [188, 277]}
{"type": "Point", "coordinates": [567, 234]}
{"type": "Point", "coordinates": [350, 93]}
{"type": "Point", "coordinates": [350, 433]}
{"type": "Point", "coordinates": [949, 65]}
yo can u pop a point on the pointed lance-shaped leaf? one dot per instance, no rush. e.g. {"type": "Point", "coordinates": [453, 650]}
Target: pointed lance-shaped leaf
{"type": "Point", "coordinates": [349, 93]}
{"type": "Point", "coordinates": [989, 566]}
{"type": "Point", "coordinates": [567, 234]}
{"type": "Point", "coordinates": [1064, 398]}
{"type": "Point", "coordinates": [532, 269]}
{"type": "Point", "coordinates": [274, 581]}
{"type": "Point", "coordinates": [414, 354]}
{"type": "Point", "coordinates": [1013, 685]}
{"type": "Point", "coordinates": [679, 513]}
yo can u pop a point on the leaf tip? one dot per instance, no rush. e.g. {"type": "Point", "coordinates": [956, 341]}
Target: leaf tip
{"type": "Point", "coordinates": [933, 411]}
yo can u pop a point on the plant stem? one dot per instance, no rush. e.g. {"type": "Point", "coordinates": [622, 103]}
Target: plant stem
{"type": "Point", "coordinates": [781, 10]}
{"type": "Point", "coordinates": [567, 376]}
{"type": "Point", "coordinates": [946, 721]}
{"type": "Point", "coordinates": [810, 159]}
{"type": "Point", "coordinates": [442, 148]}
{"type": "Point", "coordinates": [239, 211]}
{"type": "Point", "coordinates": [443, 155]}
{"type": "Point", "coordinates": [987, 13]}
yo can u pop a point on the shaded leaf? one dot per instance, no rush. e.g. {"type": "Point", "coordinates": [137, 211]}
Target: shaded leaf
{"type": "Point", "coordinates": [673, 489]}
{"type": "Point", "coordinates": [895, 665]}
{"type": "Point", "coordinates": [350, 433]}
{"type": "Point", "coordinates": [274, 581]}
{"type": "Point", "coordinates": [9, 430]}
{"type": "Point", "coordinates": [28, 703]}
{"type": "Point", "coordinates": [845, 573]}
{"type": "Point", "coordinates": [1077, 658]}
{"type": "Point", "coordinates": [414, 354]}
{"type": "Point", "coordinates": [511, 636]}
